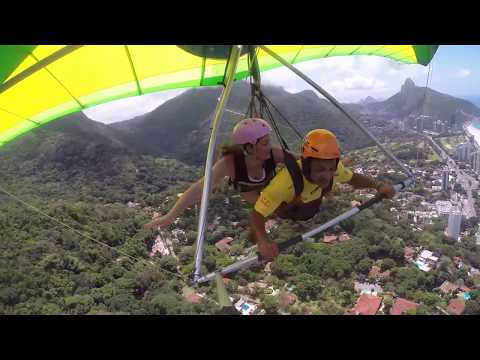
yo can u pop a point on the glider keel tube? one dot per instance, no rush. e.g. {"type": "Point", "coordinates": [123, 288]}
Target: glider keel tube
{"type": "Point", "coordinates": [229, 78]}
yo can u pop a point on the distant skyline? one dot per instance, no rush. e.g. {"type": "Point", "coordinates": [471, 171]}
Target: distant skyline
{"type": "Point", "coordinates": [455, 70]}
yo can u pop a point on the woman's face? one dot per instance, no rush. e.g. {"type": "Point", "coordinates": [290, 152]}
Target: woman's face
{"type": "Point", "coordinates": [263, 148]}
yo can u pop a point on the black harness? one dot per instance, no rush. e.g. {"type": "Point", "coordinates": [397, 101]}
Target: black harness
{"type": "Point", "coordinates": [242, 182]}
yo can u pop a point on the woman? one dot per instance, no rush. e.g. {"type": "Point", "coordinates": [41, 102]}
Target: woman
{"type": "Point", "coordinates": [249, 164]}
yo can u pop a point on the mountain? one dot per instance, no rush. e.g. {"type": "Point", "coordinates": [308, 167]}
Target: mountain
{"type": "Point", "coordinates": [78, 158]}
{"type": "Point", "coordinates": [368, 100]}
{"type": "Point", "coordinates": [473, 99]}
{"type": "Point", "coordinates": [74, 139]}
{"type": "Point", "coordinates": [180, 128]}
{"type": "Point", "coordinates": [416, 100]}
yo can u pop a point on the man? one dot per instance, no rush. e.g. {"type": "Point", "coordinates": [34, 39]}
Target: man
{"type": "Point", "coordinates": [296, 191]}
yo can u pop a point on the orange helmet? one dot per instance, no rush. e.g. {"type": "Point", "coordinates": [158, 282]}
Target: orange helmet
{"type": "Point", "coordinates": [320, 144]}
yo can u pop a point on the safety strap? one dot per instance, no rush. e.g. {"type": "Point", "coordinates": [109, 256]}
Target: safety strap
{"type": "Point", "coordinates": [294, 171]}
{"type": "Point", "coordinates": [264, 103]}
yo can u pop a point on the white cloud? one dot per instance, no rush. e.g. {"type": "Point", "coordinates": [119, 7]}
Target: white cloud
{"type": "Point", "coordinates": [463, 73]}
{"type": "Point", "coordinates": [129, 108]}
{"type": "Point", "coordinates": [351, 78]}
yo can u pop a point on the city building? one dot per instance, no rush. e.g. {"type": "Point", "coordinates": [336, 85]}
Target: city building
{"type": "Point", "coordinates": [454, 224]}
{"type": "Point", "coordinates": [445, 180]}
{"type": "Point", "coordinates": [443, 207]}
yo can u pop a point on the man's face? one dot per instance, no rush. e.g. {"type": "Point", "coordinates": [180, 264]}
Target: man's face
{"type": "Point", "coordinates": [322, 172]}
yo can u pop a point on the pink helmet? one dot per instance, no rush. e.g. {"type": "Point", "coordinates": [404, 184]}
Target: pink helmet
{"type": "Point", "coordinates": [248, 131]}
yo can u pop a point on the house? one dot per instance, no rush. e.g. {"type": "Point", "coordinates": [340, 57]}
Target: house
{"type": "Point", "coordinates": [474, 272]}
{"type": "Point", "coordinates": [458, 262]}
{"type": "Point", "coordinates": [132, 204]}
{"type": "Point", "coordinates": [287, 298]}
{"type": "Point", "coordinates": [423, 266]}
{"type": "Point", "coordinates": [344, 237]}
{"type": "Point", "coordinates": [465, 293]}
{"type": "Point", "coordinates": [448, 288]}
{"type": "Point", "coordinates": [408, 253]}
{"type": "Point", "coordinates": [456, 306]}
{"type": "Point", "coordinates": [330, 239]}
{"type": "Point", "coordinates": [256, 285]}
{"type": "Point", "coordinates": [271, 291]}
{"type": "Point", "coordinates": [426, 260]}
{"type": "Point", "coordinates": [385, 275]}
{"type": "Point", "coordinates": [366, 288]}
{"type": "Point", "coordinates": [427, 256]}
{"type": "Point", "coordinates": [376, 273]}
{"type": "Point", "coordinates": [366, 305]}
{"type": "Point", "coordinates": [224, 244]}
{"type": "Point", "coordinates": [246, 306]}
{"type": "Point", "coordinates": [401, 306]}
{"type": "Point", "coordinates": [191, 296]}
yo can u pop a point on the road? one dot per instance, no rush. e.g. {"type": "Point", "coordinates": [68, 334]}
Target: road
{"type": "Point", "coordinates": [467, 182]}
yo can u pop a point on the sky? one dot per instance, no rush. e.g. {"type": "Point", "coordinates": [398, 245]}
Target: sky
{"type": "Point", "coordinates": [454, 70]}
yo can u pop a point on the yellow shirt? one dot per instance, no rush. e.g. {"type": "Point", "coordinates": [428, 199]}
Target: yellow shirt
{"type": "Point", "coordinates": [281, 189]}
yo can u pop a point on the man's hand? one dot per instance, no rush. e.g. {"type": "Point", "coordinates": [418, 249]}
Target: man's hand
{"type": "Point", "coordinates": [386, 190]}
{"type": "Point", "coordinates": [268, 249]}
{"type": "Point", "coordinates": [159, 221]}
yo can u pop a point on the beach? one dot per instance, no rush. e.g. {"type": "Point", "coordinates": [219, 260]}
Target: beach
{"type": "Point", "coordinates": [474, 129]}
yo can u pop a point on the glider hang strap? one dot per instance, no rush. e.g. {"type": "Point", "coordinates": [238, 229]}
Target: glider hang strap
{"type": "Point", "coordinates": [254, 82]}
{"type": "Point", "coordinates": [266, 113]}
{"type": "Point", "coordinates": [257, 95]}
{"type": "Point", "coordinates": [297, 132]}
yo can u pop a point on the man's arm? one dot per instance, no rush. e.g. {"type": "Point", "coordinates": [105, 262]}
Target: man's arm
{"type": "Point", "coordinates": [268, 249]}
{"type": "Point", "coordinates": [360, 181]}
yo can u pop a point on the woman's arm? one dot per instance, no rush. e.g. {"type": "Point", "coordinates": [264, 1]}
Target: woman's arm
{"type": "Point", "coordinates": [193, 195]}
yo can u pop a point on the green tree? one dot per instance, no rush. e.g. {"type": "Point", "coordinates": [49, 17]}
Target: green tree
{"type": "Point", "coordinates": [364, 266]}
{"type": "Point", "coordinates": [78, 304]}
{"type": "Point", "coordinates": [307, 287]}
{"type": "Point", "coordinates": [387, 302]}
{"type": "Point", "coordinates": [388, 264]}
{"type": "Point", "coordinates": [168, 263]}
{"type": "Point", "coordinates": [270, 305]}
{"type": "Point", "coordinates": [285, 266]}
{"type": "Point", "coordinates": [472, 307]}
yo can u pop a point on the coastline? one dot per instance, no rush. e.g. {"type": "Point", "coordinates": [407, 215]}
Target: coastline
{"type": "Point", "coordinates": [473, 128]}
